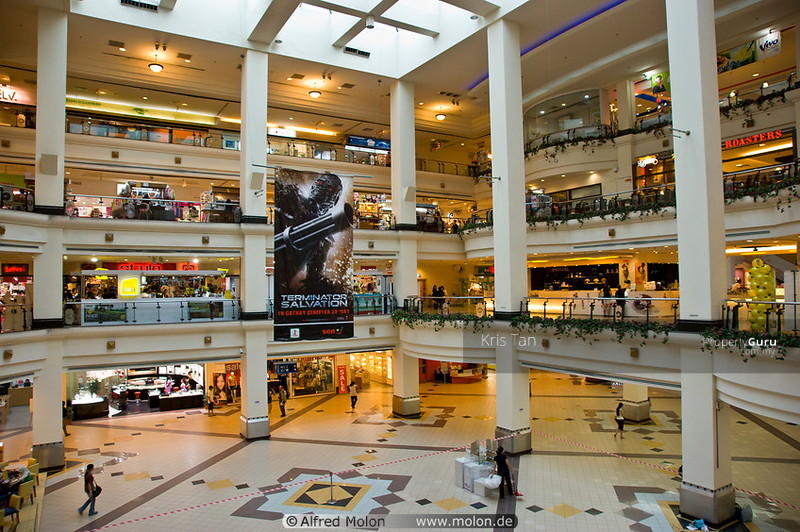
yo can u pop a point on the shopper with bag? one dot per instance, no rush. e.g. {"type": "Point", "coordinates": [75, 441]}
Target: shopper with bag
{"type": "Point", "coordinates": [92, 490]}
{"type": "Point", "coordinates": [620, 419]}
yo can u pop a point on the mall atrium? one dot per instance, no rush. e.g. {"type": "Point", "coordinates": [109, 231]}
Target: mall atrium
{"type": "Point", "coordinates": [567, 228]}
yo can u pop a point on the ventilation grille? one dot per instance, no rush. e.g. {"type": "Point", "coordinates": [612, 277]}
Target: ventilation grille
{"type": "Point", "coordinates": [347, 85]}
{"type": "Point", "coordinates": [137, 3]}
{"type": "Point", "coordinates": [355, 51]}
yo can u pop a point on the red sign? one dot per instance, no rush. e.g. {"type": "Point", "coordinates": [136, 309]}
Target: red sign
{"type": "Point", "coordinates": [341, 379]}
{"type": "Point", "coordinates": [752, 139]}
{"type": "Point", "coordinates": [15, 269]}
{"type": "Point", "coordinates": [186, 266]}
{"type": "Point", "coordinates": [139, 266]}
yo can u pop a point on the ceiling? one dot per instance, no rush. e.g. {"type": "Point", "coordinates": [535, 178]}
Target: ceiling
{"type": "Point", "coordinates": [622, 42]}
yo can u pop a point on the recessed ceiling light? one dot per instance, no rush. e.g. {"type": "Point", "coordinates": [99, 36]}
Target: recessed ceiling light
{"type": "Point", "coordinates": [750, 240]}
{"type": "Point", "coordinates": [101, 92]}
{"type": "Point", "coordinates": [462, 143]}
{"type": "Point", "coordinates": [563, 105]}
{"type": "Point", "coordinates": [420, 103]}
{"type": "Point", "coordinates": [187, 60]}
{"type": "Point", "coordinates": [123, 49]}
{"type": "Point", "coordinates": [563, 175]}
{"type": "Point", "coordinates": [585, 96]}
{"type": "Point", "coordinates": [740, 164]}
{"type": "Point", "coordinates": [290, 118]}
{"type": "Point", "coordinates": [94, 259]}
{"type": "Point", "coordinates": [290, 78]}
{"type": "Point", "coordinates": [761, 145]}
{"type": "Point", "coordinates": [755, 75]}
{"type": "Point", "coordinates": [184, 104]}
{"type": "Point", "coordinates": [630, 249]}
{"type": "Point", "coordinates": [541, 112]}
{"type": "Point", "coordinates": [145, 98]}
{"type": "Point", "coordinates": [542, 179]}
{"type": "Point", "coordinates": [339, 88]}
{"type": "Point", "coordinates": [638, 105]}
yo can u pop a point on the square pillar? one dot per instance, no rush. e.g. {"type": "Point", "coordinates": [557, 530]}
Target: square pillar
{"type": "Point", "coordinates": [635, 401]}
{"type": "Point", "coordinates": [254, 419]}
{"type": "Point", "coordinates": [513, 403]}
{"type": "Point", "coordinates": [405, 383]}
{"type": "Point", "coordinates": [253, 154]}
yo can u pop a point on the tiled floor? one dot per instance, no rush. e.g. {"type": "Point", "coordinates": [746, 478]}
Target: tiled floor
{"type": "Point", "coordinates": [186, 471]}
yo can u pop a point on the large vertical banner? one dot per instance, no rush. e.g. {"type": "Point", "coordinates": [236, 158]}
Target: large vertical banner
{"type": "Point", "coordinates": [313, 256]}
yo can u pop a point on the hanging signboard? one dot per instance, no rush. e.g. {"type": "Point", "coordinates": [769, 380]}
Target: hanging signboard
{"type": "Point", "coordinates": [313, 256]}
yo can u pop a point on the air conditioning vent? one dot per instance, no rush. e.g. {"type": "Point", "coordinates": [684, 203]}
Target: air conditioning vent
{"type": "Point", "coordinates": [356, 51]}
{"type": "Point", "coordinates": [143, 5]}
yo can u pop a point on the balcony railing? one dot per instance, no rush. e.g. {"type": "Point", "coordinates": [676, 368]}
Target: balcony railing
{"type": "Point", "coordinates": [636, 309]}
{"type": "Point", "coordinates": [143, 312]}
{"type": "Point", "coordinates": [378, 304]}
{"type": "Point", "coordinates": [14, 317]}
{"type": "Point", "coordinates": [771, 316]}
{"type": "Point", "coordinates": [468, 305]}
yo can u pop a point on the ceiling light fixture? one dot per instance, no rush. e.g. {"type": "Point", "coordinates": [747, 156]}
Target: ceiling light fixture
{"type": "Point", "coordinates": [440, 116]}
{"type": "Point", "coordinates": [314, 93]}
{"type": "Point", "coordinates": [155, 66]}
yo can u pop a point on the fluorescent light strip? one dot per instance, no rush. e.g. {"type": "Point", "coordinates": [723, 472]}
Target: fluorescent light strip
{"type": "Point", "coordinates": [749, 250]}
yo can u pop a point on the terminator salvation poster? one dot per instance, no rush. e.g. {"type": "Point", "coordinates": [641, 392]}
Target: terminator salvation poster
{"type": "Point", "coordinates": [313, 256]}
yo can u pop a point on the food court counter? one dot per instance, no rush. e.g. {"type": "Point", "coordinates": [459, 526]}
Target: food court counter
{"type": "Point", "coordinates": [87, 408]}
{"type": "Point", "coordinates": [178, 401]}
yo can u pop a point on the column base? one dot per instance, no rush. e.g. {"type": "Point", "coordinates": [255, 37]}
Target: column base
{"type": "Point", "coordinates": [54, 210]}
{"type": "Point", "coordinates": [515, 441]}
{"type": "Point", "coordinates": [715, 507]}
{"type": "Point", "coordinates": [47, 323]}
{"type": "Point", "coordinates": [505, 315]}
{"type": "Point", "coordinates": [254, 428]}
{"type": "Point", "coordinates": [49, 455]}
{"type": "Point", "coordinates": [405, 227]}
{"type": "Point", "coordinates": [249, 219]}
{"type": "Point", "coordinates": [406, 407]}
{"type": "Point", "coordinates": [636, 411]}
{"type": "Point", "coordinates": [254, 315]}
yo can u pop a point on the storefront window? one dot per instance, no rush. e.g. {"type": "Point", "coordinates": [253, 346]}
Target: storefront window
{"type": "Point", "coordinates": [302, 376]}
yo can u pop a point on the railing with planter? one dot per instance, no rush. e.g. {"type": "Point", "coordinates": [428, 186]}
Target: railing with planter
{"type": "Point", "coordinates": [634, 309]}
{"type": "Point", "coordinates": [479, 306]}
{"type": "Point", "coordinates": [776, 316]}
{"type": "Point", "coordinates": [127, 208]}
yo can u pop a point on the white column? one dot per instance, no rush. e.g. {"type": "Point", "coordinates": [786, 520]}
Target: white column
{"type": "Point", "coordinates": [254, 420]}
{"type": "Point", "coordinates": [48, 287]}
{"type": "Point", "coordinates": [698, 162]}
{"type": "Point", "coordinates": [512, 398]}
{"type": "Point", "coordinates": [605, 110]}
{"type": "Point", "coordinates": [253, 291]}
{"type": "Point", "coordinates": [636, 402]}
{"type": "Point", "coordinates": [51, 93]}
{"type": "Point", "coordinates": [253, 155]}
{"type": "Point", "coordinates": [404, 176]}
{"type": "Point", "coordinates": [626, 112]}
{"type": "Point", "coordinates": [405, 400]}
{"type": "Point", "coordinates": [626, 104]}
{"type": "Point", "coordinates": [508, 168]}
{"type": "Point", "coordinates": [47, 433]}
{"type": "Point", "coordinates": [706, 491]}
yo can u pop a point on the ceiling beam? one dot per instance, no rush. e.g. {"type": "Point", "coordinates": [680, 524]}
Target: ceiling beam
{"type": "Point", "coordinates": [361, 24]}
{"type": "Point", "coordinates": [377, 11]}
{"type": "Point", "coordinates": [167, 4]}
{"type": "Point", "coordinates": [479, 7]}
{"type": "Point", "coordinates": [271, 21]}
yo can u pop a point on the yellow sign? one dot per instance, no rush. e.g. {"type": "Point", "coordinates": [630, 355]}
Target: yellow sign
{"type": "Point", "coordinates": [129, 287]}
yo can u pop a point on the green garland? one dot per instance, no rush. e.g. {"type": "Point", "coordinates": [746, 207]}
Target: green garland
{"type": "Point", "coordinates": [765, 101]}
{"type": "Point", "coordinates": [737, 342]}
{"type": "Point", "coordinates": [458, 320]}
{"type": "Point", "coordinates": [769, 190]}
{"type": "Point", "coordinates": [588, 329]}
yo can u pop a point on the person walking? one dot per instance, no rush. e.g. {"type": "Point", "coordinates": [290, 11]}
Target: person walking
{"type": "Point", "coordinates": [621, 294]}
{"type": "Point", "coordinates": [64, 417]}
{"type": "Point", "coordinates": [620, 419]}
{"type": "Point", "coordinates": [501, 468]}
{"type": "Point", "coordinates": [89, 486]}
{"type": "Point", "coordinates": [210, 401]}
{"type": "Point", "coordinates": [353, 395]}
{"type": "Point", "coordinates": [282, 398]}
{"type": "Point", "coordinates": [606, 303]}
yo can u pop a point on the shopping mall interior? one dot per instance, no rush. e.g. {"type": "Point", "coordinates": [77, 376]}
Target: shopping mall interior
{"type": "Point", "coordinates": [498, 193]}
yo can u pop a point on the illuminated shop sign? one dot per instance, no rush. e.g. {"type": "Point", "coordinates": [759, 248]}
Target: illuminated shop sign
{"type": "Point", "coordinates": [647, 160]}
{"type": "Point", "coordinates": [368, 142]}
{"type": "Point", "coordinates": [281, 132]}
{"type": "Point", "coordinates": [137, 266]}
{"type": "Point", "coordinates": [15, 269]}
{"type": "Point", "coordinates": [14, 95]}
{"type": "Point", "coordinates": [753, 139]}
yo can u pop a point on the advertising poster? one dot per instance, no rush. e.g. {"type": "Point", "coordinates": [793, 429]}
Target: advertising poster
{"type": "Point", "coordinates": [341, 379]}
{"type": "Point", "coordinates": [736, 57]}
{"type": "Point", "coordinates": [313, 256]}
{"type": "Point", "coordinates": [660, 82]}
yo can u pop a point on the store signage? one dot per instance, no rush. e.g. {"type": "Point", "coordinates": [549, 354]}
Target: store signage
{"type": "Point", "coordinates": [137, 266]}
{"type": "Point", "coordinates": [14, 95]}
{"type": "Point", "coordinates": [15, 269]}
{"type": "Point", "coordinates": [647, 160]}
{"type": "Point", "coordinates": [130, 286]}
{"type": "Point", "coordinates": [186, 266]}
{"type": "Point", "coordinates": [313, 256]}
{"type": "Point", "coordinates": [281, 132]}
{"type": "Point", "coordinates": [341, 379]}
{"type": "Point", "coordinates": [753, 139]}
{"type": "Point", "coordinates": [284, 368]}
{"type": "Point", "coordinates": [368, 142]}
{"type": "Point", "coordinates": [769, 45]}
